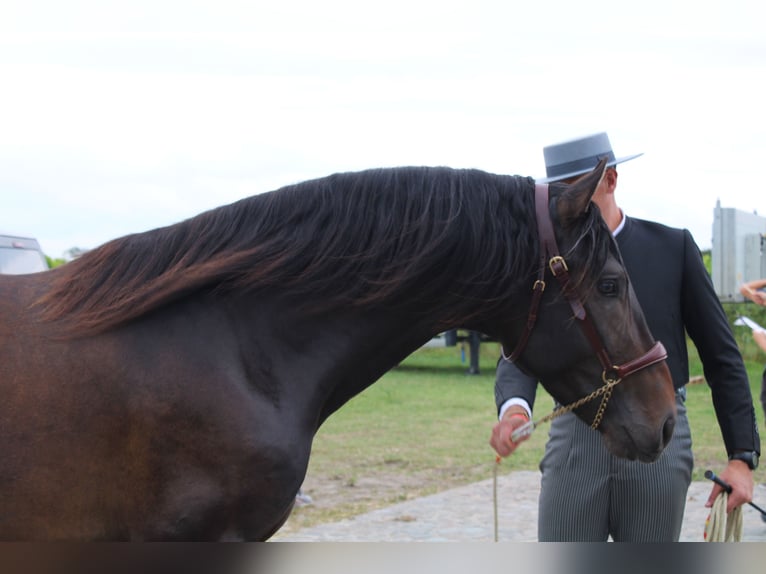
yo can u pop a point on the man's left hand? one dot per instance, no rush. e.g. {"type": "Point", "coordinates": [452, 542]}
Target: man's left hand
{"type": "Point", "coordinates": [739, 476]}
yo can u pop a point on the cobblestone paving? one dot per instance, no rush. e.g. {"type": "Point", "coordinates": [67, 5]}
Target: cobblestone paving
{"type": "Point", "coordinates": [466, 514]}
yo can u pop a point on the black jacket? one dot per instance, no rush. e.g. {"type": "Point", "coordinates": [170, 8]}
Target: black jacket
{"type": "Point", "coordinates": [677, 296]}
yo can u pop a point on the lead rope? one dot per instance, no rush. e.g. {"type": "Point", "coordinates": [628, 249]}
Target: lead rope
{"type": "Point", "coordinates": [494, 490]}
{"type": "Point", "coordinates": [720, 527]}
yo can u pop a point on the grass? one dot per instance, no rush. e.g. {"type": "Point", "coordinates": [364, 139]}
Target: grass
{"type": "Point", "coordinates": [426, 425]}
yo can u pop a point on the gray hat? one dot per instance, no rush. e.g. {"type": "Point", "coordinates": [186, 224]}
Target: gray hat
{"type": "Point", "coordinates": [575, 157]}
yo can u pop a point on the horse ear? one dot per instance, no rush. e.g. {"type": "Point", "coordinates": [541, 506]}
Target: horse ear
{"type": "Point", "coordinates": [575, 198]}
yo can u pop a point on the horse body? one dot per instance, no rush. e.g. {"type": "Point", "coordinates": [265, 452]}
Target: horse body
{"type": "Point", "coordinates": [168, 463]}
{"type": "Point", "coordinates": [192, 417]}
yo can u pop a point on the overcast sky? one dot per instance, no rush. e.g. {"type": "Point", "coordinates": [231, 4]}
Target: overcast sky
{"type": "Point", "coordinates": [118, 117]}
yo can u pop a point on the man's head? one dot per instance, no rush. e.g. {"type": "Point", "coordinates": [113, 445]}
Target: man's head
{"type": "Point", "coordinates": [576, 157]}
{"type": "Point", "coordinates": [570, 160]}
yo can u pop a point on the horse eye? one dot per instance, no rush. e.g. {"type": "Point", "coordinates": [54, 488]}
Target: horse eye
{"type": "Point", "coordinates": [608, 287]}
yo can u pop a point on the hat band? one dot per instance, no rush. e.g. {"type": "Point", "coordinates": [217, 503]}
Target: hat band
{"type": "Point", "coordinates": [579, 165]}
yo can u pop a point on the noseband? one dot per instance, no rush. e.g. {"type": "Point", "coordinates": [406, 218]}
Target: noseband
{"type": "Point", "coordinates": [551, 258]}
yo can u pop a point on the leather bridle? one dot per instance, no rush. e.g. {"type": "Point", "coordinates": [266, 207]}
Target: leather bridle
{"type": "Point", "coordinates": [551, 258]}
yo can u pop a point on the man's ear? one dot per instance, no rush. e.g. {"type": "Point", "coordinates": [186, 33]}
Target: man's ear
{"type": "Point", "coordinates": [575, 199]}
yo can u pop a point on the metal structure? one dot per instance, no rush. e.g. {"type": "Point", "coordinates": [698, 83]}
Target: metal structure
{"type": "Point", "coordinates": [20, 255]}
{"type": "Point", "coordinates": [473, 339]}
{"type": "Point", "coordinates": [739, 250]}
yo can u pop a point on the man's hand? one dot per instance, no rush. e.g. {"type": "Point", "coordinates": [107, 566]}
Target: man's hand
{"type": "Point", "coordinates": [500, 440]}
{"type": "Point", "coordinates": [755, 295]}
{"type": "Point", "coordinates": [739, 476]}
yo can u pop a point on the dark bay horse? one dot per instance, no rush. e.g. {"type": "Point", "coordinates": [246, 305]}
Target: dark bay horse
{"type": "Point", "coordinates": [168, 384]}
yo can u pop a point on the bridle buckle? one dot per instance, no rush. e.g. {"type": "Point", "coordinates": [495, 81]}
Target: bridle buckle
{"type": "Point", "coordinates": [557, 264]}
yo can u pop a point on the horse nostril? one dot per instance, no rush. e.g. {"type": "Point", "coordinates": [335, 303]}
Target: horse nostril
{"type": "Point", "coordinates": [667, 429]}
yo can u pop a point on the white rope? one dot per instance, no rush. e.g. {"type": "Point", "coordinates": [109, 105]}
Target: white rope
{"type": "Point", "coordinates": [494, 492]}
{"type": "Point", "coordinates": [720, 527]}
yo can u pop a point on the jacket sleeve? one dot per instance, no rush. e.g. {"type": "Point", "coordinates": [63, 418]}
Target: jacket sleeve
{"type": "Point", "coordinates": [707, 325]}
{"type": "Point", "coordinates": [511, 382]}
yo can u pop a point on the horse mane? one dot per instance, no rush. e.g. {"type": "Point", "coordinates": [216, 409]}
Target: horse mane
{"type": "Point", "coordinates": [381, 237]}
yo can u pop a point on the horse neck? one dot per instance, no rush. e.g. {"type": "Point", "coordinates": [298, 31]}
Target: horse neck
{"type": "Point", "coordinates": [372, 344]}
{"type": "Point", "coordinates": [318, 362]}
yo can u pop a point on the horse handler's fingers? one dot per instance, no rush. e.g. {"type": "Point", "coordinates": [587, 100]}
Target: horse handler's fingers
{"type": "Point", "coordinates": [737, 480]}
{"type": "Point", "coordinates": [735, 499]}
{"type": "Point", "coordinates": [501, 440]}
{"type": "Point", "coordinates": [502, 446]}
{"type": "Point", "coordinates": [714, 492]}
{"type": "Point", "coordinates": [740, 477]}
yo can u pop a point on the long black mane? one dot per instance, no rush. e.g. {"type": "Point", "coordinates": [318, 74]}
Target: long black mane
{"type": "Point", "coordinates": [380, 237]}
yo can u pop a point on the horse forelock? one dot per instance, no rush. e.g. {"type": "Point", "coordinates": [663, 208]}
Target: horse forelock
{"type": "Point", "coordinates": [373, 238]}
{"type": "Point", "coordinates": [590, 250]}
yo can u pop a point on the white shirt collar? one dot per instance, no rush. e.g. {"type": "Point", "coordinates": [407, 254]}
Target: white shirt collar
{"type": "Point", "coordinates": [620, 226]}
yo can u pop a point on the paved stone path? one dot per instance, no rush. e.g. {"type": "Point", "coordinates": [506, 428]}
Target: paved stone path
{"type": "Point", "coordinates": [466, 514]}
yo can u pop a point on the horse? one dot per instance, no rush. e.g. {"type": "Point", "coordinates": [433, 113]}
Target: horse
{"type": "Point", "coordinates": [168, 384]}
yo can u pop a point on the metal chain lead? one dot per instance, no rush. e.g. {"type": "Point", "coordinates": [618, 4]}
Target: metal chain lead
{"type": "Point", "coordinates": [606, 390]}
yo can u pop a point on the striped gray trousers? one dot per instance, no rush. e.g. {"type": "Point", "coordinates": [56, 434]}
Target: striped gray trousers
{"type": "Point", "coordinates": [588, 495]}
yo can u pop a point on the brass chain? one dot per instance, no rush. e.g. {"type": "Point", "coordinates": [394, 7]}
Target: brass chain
{"type": "Point", "coordinates": [605, 390]}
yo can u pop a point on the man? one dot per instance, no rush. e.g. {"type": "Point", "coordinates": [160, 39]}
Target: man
{"type": "Point", "coordinates": [756, 292]}
{"type": "Point", "coordinates": [586, 493]}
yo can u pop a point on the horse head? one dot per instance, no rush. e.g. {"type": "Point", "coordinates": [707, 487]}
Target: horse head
{"type": "Point", "coordinates": [590, 333]}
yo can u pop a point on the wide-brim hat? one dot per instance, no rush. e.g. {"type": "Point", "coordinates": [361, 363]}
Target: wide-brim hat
{"type": "Point", "coordinates": [578, 156]}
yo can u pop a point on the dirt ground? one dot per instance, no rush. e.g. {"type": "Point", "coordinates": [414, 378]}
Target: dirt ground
{"type": "Point", "coordinates": [336, 497]}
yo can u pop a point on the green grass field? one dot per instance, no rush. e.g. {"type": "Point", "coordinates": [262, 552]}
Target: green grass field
{"type": "Point", "coordinates": [426, 425]}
